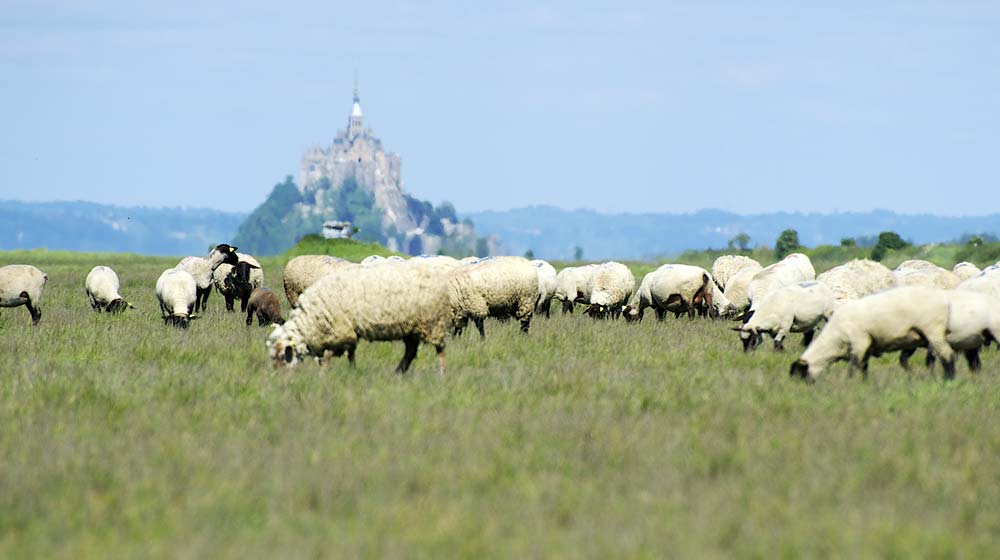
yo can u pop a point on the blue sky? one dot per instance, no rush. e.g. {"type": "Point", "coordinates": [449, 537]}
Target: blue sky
{"type": "Point", "coordinates": [660, 106]}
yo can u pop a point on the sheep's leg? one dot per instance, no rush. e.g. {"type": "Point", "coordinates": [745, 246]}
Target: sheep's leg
{"type": "Point", "coordinates": [526, 324]}
{"type": "Point", "coordinates": [937, 345]}
{"type": "Point", "coordinates": [440, 351]}
{"type": "Point", "coordinates": [661, 314]}
{"type": "Point", "coordinates": [480, 326]}
{"type": "Point", "coordinates": [230, 302]}
{"type": "Point", "coordinates": [779, 339]}
{"type": "Point", "coordinates": [36, 313]}
{"type": "Point", "coordinates": [350, 354]}
{"type": "Point", "coordinates": [93, 302]}
{"type": "Point", "coordinates": [244, 301]}
{"type": "Point", "coordinates": [972, 356]}
{"type": "Point", "coordinates": [807, 337]}
{"type": "Point", "coordinates": [929, 360]}
{"type": "Point", "coordinates": [904, 358]}
{"type": "Point", "coordinates": [250, 317]}
{"type": "Point", "coordinates": [409, 354]}
{"type": "Point", "coordinates": [567, 306]}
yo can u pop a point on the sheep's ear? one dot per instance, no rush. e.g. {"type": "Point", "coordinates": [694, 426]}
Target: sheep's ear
{"type": "Point", "coordinates": [130, 306]}
{"type": "Point", "coordinates": [232, 249]}
{"type": "Point", "coordinates": [737, 329]}
{"type": "Point", "coordinates": [253, 266]}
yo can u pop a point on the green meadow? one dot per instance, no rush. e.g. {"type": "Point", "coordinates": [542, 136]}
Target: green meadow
{"type": "Point", "coordinates": [121, 437]}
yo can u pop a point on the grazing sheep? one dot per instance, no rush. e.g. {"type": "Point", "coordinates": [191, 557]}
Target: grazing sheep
{"type": "Point", "coordinates": [897, 319]}
{"type": "Point", "coordinates": [792, 269]}
{"type": "Point", "coordinates": [546, 285]}
{"type": "Point", "coordinates": [201, 268]}
{"type": "Point", "coordinates": [987, 282]}
{"type": "Point", "coordinates": [226, 287]}
{"type": "Point", "coordinates": [794, 308]}
{"type": "Point", "coordinates": [499, 287]}
{"type": "Point", "coordinates": [973, 321]}
{"type": "Point", "coordinates": [612, 288]}
{"type": "Point", "coordinates": [265, 304]}
{"type": "Point", "coordinates": [857, 279]}
{"type": "Point", "coordinates": [372, 259]}
{"type": "Point", "coordinates": [573, 285]}
{"type": "Point", "coordinates": [727, 266]}
{"type": "Point", "coordinates": [102, 287]}
{"type": "Point", "coordinates": [303, 271]}
{"type": "Point", "coordinates": [410, 304]}
{"type": "Point", "coordinates": [965, 270]}
{"type": "Point", "coordinates": [22, 284]}
{"type": "Point", "coordinates": [736, 287]}
{"type": "Point", "coordinates": [927, 274]}
{"type": "Point", "coordinates": [177, 291]}
{"type": "Point", "coordinates": [240, 282]}
{"type": "Point", "coordinates": [677, 288]}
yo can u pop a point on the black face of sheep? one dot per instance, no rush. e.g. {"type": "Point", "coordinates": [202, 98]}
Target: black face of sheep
{"type": "Point", "coordinates": [239, 276]}
{"type": "Point", "coordinates": [117, 306]}
{"type": "Point", "coordinates": [597, 311]}
{"type": "Point", "coordinates": [631, 315]}
{"type": "Point", "coordinates": [800, 369]}
{"type": "Point", "coordinates": [229, 253]}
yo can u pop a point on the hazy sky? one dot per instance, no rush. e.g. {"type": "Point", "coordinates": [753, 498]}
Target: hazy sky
{"type": "Point", "coordinates": [665, 106]}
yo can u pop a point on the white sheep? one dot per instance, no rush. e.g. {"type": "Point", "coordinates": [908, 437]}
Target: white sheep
{"type": "Point", "coordinates": [546, 285]}
{"type": "Point", "coordinates": [857, 279]}
{"type": "Point", "coordinates": [898, 319]}
{"type": "Point", "coordinates": [727, 266]}
{"type": "Point", "coordinates": [408, 303]}
{"type": "Point", "coordinates": [927, 274]}
{"type": "Point", "coordinates": [177, 292]}
{"type": "Point", "coordinates": [201, 269]}
{"type": "Point", "coordinates": [227, 289]}
{"type": "Point", "coordinates": [973, 321]}
{"type": "Point", "coordinates": [987, 282]}
{"type": "Point", "coordinates": [736, 287]}
{"type": "Point", "coordinates": [792, 269]}
{"type": "Point", "coordinates": [573, 285]}
{"type": "Point", "coordinates": [102, 286]}
{"type": "Point", "coordinates": [372, 259]}
{"type": "Point", "coordinates": [499, 287]}
{"type": "Point", "coordinates": [795, 308]}
{"type": "Point", "coordinates": [395, 258]}
{"type": "Point", "coordinates": [303, 271]}
{"type": "Point", "coordinates": [677, 288]}
{"type": "Point", "coordinates": [965, 270]}
{"type": "Point", "coordinates": [22, 284]}
{"type": "Point", "coordinates": [469, 260]}
{"type": "Point", "coordinates": [611, 288]}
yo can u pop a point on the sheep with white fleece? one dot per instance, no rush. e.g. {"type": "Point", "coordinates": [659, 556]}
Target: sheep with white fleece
{"type": "Point", "coordinates": [573, 285]}
{"type": "Point", "coordinates": [727, 266]}
{"type": "Point", "coordinates": [201, 268]}
{"type": "Point", "coordinates": [177, 292]}
{"type": "Point", "coordinates": [102, 286]}
{"type": "Point", "coordinates": [965, 270]}
{"type": "Point", "coordinates": [677, 288]}
{"type": "Point", "coordinates": [22, 284]}
{"type": "Point", "coordinates": [927, 274]}
{"type": "Point", "coordinates": [303, 271]}
{"type": "Point", "coordinates": [612, 287]}
{"type": "Point", "coordinates": [795, 308]}
{"type": "Point", "coordinates": [898, 319]}
{"type": "Point", "coordinates": [546, 285]}
{"type": "Point", "coordinates": [987, 282]}
{"type": "Point", "coordinates": [792, 269]}
{"type": "Point", "coordinates": [499, 287]}
{"type": "Point", "coordinates": [857, 279]}
{"type": "Point", "coordinates": [736, 287]}
{"type": "Point", "coordinates": [973, 321]}
{"type": "Point", "coordinates": [407, 302]}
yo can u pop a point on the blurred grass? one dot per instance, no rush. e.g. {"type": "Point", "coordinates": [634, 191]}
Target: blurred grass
{"type": "Point", "coordinates": [122, 437]}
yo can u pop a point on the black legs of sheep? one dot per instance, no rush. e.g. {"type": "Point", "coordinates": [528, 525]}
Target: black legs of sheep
{"type": "Point", "coordinates": [409, 354]}
{"type": "Point", "coordinates": [201, 298]}
{"type": "Point", "coordinates": [36, 314]}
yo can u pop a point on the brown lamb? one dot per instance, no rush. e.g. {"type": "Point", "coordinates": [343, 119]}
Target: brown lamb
{"type": "Point", "coordinates": [265, 304]}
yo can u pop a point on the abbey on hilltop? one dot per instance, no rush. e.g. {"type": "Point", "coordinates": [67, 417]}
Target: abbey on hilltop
{"type": "Point", "coordinates": [355, 179]}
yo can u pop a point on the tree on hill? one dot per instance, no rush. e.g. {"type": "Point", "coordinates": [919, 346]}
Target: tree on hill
{"type": "Point", "coordinates": [740, 242]}
{"type": "Point", "coordinates": [787, 243]}
{"type": "Point", "coordinates": [887, 240]}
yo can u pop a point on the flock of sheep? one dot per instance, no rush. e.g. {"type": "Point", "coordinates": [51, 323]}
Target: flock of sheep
{"type": "Point", "coordinates": [867, 309]}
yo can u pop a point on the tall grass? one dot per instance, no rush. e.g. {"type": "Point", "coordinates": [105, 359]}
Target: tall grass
{"type": "Point", "coordinates": [122, 437]}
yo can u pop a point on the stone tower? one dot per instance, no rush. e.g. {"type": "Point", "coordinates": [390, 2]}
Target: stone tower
{"type": "Point", "coordinates": [355, 123]}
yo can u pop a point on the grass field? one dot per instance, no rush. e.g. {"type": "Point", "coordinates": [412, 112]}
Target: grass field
{"type": "Point", "coordinates": [122, 437]}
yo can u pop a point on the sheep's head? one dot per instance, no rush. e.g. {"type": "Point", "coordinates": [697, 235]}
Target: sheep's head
{"type": "Point", "coordinates": [223, 253]}
{"type": "Point", "coordinates": [750, 337]}
{"type": "Point", "coordinates": [597, 311]}
{"type": "Point", "coordinates": [800, 368]}
{"type": "Point", "coordinates": [118, 306]}
{"type": "Point", "coordinates": [283, 349]}
{"type": "Point", "coordinates": [239, 276]}
{"type": "Point", "coordinates": [632, 313]}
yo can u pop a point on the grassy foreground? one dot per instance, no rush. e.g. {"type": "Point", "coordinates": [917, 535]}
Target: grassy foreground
{"type": "Point", "coordinates": [119, 435]}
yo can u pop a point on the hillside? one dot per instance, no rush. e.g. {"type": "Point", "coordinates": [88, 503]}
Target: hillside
{"type": "Point", "coordinates": [86, 226]}
{"type": "Point", "coordinates": [554, 233]}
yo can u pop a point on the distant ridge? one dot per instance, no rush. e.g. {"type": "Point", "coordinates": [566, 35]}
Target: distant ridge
{"type": "Point", "coordinates": [553, 233]}
{"type": "Point", "coordinates": [92, 227]}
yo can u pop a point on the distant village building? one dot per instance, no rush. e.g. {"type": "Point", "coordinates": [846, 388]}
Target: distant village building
{"type": "Point", "coordinates": [333, 229]}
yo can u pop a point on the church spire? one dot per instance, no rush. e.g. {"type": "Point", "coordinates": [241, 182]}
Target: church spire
{"type": "Point", "coordinates": [355, 123]}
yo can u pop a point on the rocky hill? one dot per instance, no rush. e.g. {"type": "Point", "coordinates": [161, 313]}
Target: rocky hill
{"type": "Point", "coordinates": [356, 179]}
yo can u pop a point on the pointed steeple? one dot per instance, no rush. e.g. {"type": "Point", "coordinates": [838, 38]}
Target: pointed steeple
{"type": "Point", "coordinates": [355, 123]}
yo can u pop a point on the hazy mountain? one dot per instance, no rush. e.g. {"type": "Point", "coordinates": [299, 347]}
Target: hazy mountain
{"type": "Point", "coordinates": [554, 233]}
{"type": "Point", "coordinates": [86, 226]}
